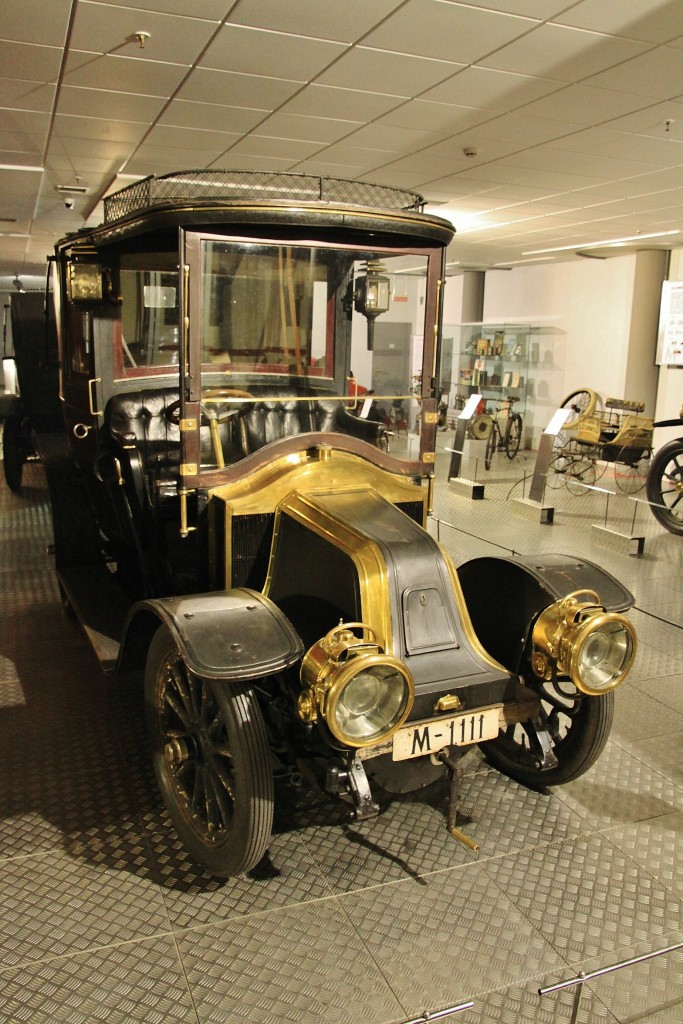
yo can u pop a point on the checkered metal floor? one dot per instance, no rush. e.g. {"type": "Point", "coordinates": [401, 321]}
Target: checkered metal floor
{"type": "Point", "coordinates": [103, 917]}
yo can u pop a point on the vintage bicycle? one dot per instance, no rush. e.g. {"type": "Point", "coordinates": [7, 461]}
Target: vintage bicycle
{"type": "Point", "coordinates": [502, 430]}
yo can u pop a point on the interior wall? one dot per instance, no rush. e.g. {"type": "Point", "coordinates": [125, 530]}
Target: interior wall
{"type": "Point", "coordinates": [589, 301]}
{"type": "Point", "coordinates": [670, 383]}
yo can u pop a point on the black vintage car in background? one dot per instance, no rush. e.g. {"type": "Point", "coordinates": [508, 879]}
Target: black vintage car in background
{"type": "Point", "coordinates": [30, 406]}
{"type": "Point", "coordinates": [240, 527]}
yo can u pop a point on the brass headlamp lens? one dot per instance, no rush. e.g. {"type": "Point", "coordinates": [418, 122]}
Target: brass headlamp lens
{"type": "Point", "coordinates": [362, 694]}
{"type": "Point", "coordinates": [595, 648]}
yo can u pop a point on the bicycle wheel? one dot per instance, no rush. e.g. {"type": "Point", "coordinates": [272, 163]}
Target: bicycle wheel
{"type": "Point", "coordinates": [581, 403]}
{"type": "Point", "coordinates": [580, 475]}
{"type": "Point", "coordinates": [513, 435]}
{"type": "Point", "coordinates": [491, 445]}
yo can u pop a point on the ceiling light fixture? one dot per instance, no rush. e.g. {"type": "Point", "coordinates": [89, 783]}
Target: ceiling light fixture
{"type": "Point", "coordinates": [607, 241]}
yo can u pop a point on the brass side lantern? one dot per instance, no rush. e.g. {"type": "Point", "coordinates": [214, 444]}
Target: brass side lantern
{"type": "Point", "coordinates": [371, 296]}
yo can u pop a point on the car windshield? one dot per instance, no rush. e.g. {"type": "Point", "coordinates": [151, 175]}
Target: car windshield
{"type": "Point", "coordinates": [300, 320]}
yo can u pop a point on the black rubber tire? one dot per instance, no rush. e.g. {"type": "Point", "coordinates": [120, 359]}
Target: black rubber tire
{"type": "Point", "coordinates": [491, 445]}
{"type": "Point", "coordinates": [219, 788]}
{"type": "Point", "coordinates": [582, 403]}
{"type": "Point", "coordinates": [513, 435]}
{"type": "Point", "coordinates": [665, 486]}
{"type": "Point", "coordinates": [13, 456]}
{"type": "Point", "coordinates": [581, 737]}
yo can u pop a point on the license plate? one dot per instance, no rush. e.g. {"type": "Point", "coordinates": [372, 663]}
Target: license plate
{"type": "Point", "coordinates": [429, 737]}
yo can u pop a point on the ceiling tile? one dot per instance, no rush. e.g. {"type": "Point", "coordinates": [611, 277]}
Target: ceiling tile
{"type": "Point", "coordinates": [23, 95]}
{"type": "Point", "coordinates": [153, 159]}
{"type": "Point", "coordinates": [312, 129]}
{"type": "Point", "coordinates": [585, 105]}
{"type": "Point", "coordinates": [283, 149]}
{"type": "Point", "coordinates": [130, 74]}
{"type": "Point", "coordinates": [494, 90]}
{"type": "Point", "coordinates": [632, 19]}
{"type": "Point", "coordinates": [391, 139]}
{"type": "Point", "coordinates": [447, 31]}
{"type": "Point", "coordinates": [172, 39]}
{"type": "Point", "coordinates": [563, 54]}
{"type": "Point", "coordinates": [190, 138]}
{"type": "Point", "coordinates": [68, 127]}
{"type": "Point", "coordinates": [380, 71]}
{"type": "Point", "coordinates": [114, 104]}
{"type": "Point", "coordinates": [22, 147]}
{"type": "Point", "coordinates": [536, 9]}
{"type": "Point", "coordinates": [213, 10]}
{"type": "Point", "coordinates": [251, 51]}
{"type": "Point", "coordinates": [443, 118]}
{"type": "Point", "coordinates": [30, 63]}
{"type": "Point", "coordinates": [235, 90]}
{"type": "Point", "coordinates": [332, 101]}
{"type": "Point", "coordinates": [652, 119]}
{"type": "Point", "coordinates": [211, 116]}
{"type": "Point", "coordinates": [330, 168]}
{"type": "Point", "coordinates": [659, 73]}
{"type": "Point", "coordinates": [346, 21]}
{"type": "Point", "coordinates": [34, 21]}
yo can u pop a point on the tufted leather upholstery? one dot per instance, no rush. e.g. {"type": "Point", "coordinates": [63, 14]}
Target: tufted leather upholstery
{"type": "Point", "coordinates": [282, 415]}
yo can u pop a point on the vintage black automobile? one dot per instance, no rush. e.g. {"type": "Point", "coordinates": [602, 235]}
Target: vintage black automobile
{"type": "Point", "coordinates": [234, 526]}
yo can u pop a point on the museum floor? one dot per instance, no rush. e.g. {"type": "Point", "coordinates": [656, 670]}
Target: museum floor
{"type": "Point", "coordinates": [103, 917]}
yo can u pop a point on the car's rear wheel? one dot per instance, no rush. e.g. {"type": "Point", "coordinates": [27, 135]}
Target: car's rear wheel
{"type": "Point", "coordinates": [578, 726]}
{"type": "Point", "coordinates": [211, 759]}
{"type": "Point", "coordinates": [12, 453]}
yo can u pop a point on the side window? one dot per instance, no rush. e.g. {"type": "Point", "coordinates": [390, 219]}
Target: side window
{"type": "Point", "coordinates": [149, 335]}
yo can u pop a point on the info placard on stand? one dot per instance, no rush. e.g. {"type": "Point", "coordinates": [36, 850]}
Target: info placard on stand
{"type": "Point", "coordinates": [468, 488]}
{"type": "Point", "coordinates": [534, 505]}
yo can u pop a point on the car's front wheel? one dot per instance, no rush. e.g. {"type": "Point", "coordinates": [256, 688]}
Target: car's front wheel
{"type": "Point", "coordinates": [211, 759]}
{"type": "Point", "coordinates": [578, 727]}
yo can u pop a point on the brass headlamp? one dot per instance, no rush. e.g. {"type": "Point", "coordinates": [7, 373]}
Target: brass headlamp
{"type": "Point", "coordinates": [578, 637]}
{"type": "Point", "coordinates": [361, 693]}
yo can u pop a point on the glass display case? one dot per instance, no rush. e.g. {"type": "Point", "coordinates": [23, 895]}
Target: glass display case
{"type": "Point", "coordinates": [492, 359]}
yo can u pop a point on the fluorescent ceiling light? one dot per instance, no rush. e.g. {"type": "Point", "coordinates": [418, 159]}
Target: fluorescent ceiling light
{"type": "Point", "coordinates": [607, 241]}
{"type": "Point", "coordinates": [20, 167]}
{"type": "Point", "coordinates": [514, 263]}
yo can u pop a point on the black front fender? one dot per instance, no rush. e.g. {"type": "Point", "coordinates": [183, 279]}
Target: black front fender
{"type": "Point", "coordinates": [231, 635]}
{"type": "Point", "coordinates": [505, 596]}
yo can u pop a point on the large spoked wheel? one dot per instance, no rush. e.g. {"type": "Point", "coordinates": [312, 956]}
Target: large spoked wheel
{"type": "Point", "coordinates": [579, 727]}
{"type": "Point", "coordinates": [491, 445]}
{"type": "Point", "coordinates": [665, 486]}
{"type": "Point", "coordinates": [513, 435]}
{"type": "Point", "coordinates": [13, 454]}
{"type": "Point", "coordinates": [580, 403]}
{"type": "Point", "coordinates": [580, 475]}
{"type": "Point", "coordinates": [212, 761]}
{"type": "Point", "coordinates": [631, 468]}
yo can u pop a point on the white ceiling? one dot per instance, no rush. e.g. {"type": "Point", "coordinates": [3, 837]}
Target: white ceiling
{"type": "Point", "coordinates": [573, 110]}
